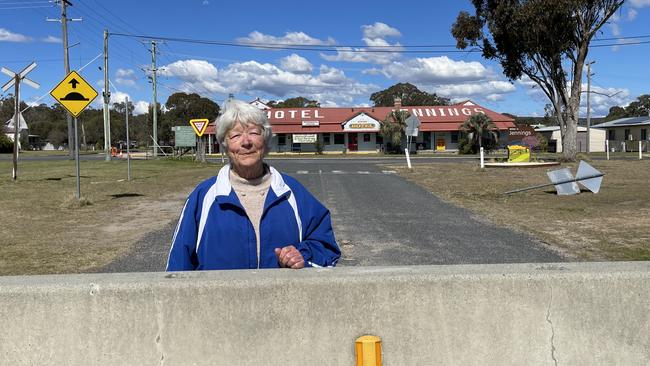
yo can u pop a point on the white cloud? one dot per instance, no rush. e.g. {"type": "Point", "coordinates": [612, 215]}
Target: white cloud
{"type": "Point", "coordinates": [8, 36]}
{"type": "Point", "coordinates": [631, 14]}
{"type": "Point", "coordinates": [435, 70]}
{"type": "Point", "coordinates": [51, 39]}
{"type": "Point", "coordinates": [639, 3]}
{"type": "Point", "coordinates": [373, 37]}
{"type": "Point", "coordinates": [483, 89]}
{"type": "Point", "coordinates": [296, 64]}
{"type": "Point", "coordinates": [205, 2]}
{"type": "Point", "coordinates": [602, 99]}
{"type": "Point", "coordinates": [329, 85]}
{"type": "Point", "coordinates": [119, 97]}
{"type": "Point", "coordinates": [140, 107]}
{"type": "Point", "coordinates": [289, 38]}
{"type": "Point", "coordinates": [125, 77]}
{"type": "Point", "coordinates": [379, 30]}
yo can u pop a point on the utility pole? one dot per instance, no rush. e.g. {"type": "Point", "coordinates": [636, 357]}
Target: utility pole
{"type": "Point", "coordinates": [128, 142]}
{"type": "Point", "coordinates": [155, 100]}
{"type": "Point", "coordinates": [589, 74]}
{"type": "Point", "coordinates": [66, 64]}
{"type": "Point", "coordinates": [107, 100]}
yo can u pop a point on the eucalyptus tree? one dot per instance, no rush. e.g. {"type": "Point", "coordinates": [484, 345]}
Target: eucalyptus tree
{"type": "Point", "coordinates": [544, 40]}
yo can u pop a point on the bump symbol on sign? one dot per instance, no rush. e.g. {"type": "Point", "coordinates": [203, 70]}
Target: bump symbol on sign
{"type": "Point", "coordinates": [74, 95]}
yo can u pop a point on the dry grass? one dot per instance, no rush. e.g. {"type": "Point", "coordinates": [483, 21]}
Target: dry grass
{"type": "Point", "coordinates": [45, 229]}
{"type": "Point", "coordinates": [611, 225]}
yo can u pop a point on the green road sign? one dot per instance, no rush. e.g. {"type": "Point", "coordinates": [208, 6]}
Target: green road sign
{"type": "Point", "coordinates": [184, 136]}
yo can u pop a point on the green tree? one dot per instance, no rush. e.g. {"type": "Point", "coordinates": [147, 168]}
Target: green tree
{"type": "Point", "coordinates": [479, 127]}
{"type": "Point", "coordinates": [410, 95]}
{"type": "Point", "coordinates": [638, 108]}
{"type": "Point", "coordinates": [541, 39]}
{"type": "Point", "coordinates": [297, 102]}
{"type": "Point", "coordinates": [392, 128]}
{"type": "Point", "coordinates": [181, 108]}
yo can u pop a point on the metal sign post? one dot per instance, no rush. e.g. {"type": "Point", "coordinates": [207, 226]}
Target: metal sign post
{"type": "Point", "coordinates": [16, 79]}
{"type": "Point", "coordinates": [74, 94]}
{"type": "Point", "coordinates": [128, 143]}
{"type": "Point", "coordinates": [412, 130]}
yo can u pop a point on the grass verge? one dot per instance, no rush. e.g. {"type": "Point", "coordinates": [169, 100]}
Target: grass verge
{"type": "Point", "coordinates": [45, 229]}
{"type": "Point", "coordinates": [611, 225]}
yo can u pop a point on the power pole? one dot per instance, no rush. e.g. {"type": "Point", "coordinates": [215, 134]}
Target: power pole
{"type": "Point", "coordinates": [589, 74]}
{"type": "Point", "coordinates": [66, 64]}
{"type": "Point", "coordinates": [107, 100]}
{"type": "Point", "coordinates": [155, 100]}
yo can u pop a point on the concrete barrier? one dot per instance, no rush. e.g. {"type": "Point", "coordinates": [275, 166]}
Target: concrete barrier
{"type": "Point", "coordinates": [522, 314]}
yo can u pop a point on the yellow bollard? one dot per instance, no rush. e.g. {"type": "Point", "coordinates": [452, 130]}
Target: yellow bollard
{"type": "Point", "coordinates": [368, 351]}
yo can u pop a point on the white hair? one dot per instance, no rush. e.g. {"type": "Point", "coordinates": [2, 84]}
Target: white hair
{"type": "Point", "coordinates": [236, 111]}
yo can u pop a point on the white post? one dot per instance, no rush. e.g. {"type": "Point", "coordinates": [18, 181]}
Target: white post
{"type": "Point", "coordinates": [640, 150]}
{"type": "Point", "coordinates": [482, 158]}
{"type": "Point", "coordinates": [408, 158]}
{"type": "Point", "coordinates": [607, 148]}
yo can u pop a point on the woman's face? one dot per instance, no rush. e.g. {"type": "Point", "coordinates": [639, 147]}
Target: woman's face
{"type": "Point", "coordinates": [246, 147]}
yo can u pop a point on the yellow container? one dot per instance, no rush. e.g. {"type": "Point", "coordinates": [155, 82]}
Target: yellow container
{"type": "Point", "coordinates": [518, 154]}
{"type": "Point", "coordinates": [368, 351]}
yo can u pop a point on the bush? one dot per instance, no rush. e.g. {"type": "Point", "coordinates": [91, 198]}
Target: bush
{"type": "Point", "coordinates": [319, 147]}
{"type": "Point", "coordinates": [6, 145]}
{"type": "Point", "coordinates": [466, 147]}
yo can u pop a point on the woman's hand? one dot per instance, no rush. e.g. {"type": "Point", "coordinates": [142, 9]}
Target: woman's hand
{"type": "Point", "coordinates": [290, 257]}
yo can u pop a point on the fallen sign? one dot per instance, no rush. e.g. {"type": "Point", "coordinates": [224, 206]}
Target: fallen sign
{"type": "Point", "coordinates": [565, 184]}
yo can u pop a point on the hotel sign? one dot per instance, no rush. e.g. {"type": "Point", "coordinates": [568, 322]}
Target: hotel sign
{"type": "Point", "coordinates": [304, 138]}
{"type": "Point", "coordinates": [361, 126]}
{"type": "Point", "coordinates": [310, 123]}
{"type": "Point", "coordinates": [361, 121]}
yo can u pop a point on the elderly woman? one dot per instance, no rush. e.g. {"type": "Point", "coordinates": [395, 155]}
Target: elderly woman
{"type": "Point", "coordinates": [250, 215]}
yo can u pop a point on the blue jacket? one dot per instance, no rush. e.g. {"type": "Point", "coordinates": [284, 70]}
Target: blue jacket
{"type": "Point", "coordinates": [214, 231]}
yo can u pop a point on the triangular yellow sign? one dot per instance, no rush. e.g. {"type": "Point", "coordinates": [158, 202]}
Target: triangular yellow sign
{"type": "Point", "coordinates": [199, 125]}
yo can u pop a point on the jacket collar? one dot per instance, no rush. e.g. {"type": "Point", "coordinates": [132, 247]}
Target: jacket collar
{"type": "Point", "coordinates": [226, 193]}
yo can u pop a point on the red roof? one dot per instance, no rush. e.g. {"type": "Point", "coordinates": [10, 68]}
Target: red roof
{"type": "Point", "coordinates": [432, 118]}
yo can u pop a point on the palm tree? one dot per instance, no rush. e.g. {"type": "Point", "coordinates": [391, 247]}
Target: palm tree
{"type": "Point", "coordinates": [393, 126]}
{"type": "Point", "coordinates": [477, 126]}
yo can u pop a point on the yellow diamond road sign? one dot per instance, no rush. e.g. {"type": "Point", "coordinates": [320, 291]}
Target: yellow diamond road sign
{"type": "Point", "coordinates": [74, 93]}
{"type": "Point", "coordinates": [199, 125]}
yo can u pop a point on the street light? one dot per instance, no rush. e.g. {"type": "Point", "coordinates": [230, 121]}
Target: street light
{"type": "Point", "coordinates": [589, 91]}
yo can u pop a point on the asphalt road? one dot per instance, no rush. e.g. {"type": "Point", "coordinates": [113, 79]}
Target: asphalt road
{"type": "Point", "coordinates": [379, 218]}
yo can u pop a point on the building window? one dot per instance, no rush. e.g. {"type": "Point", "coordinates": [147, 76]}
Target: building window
{"type": "Point", "coordinates": [611, 135]}
{"type": "Point", "coordinates": [339, 139]}
{"type": "Point", "coordinates": [644, 134]}
{"type": "Point", "coordinates": [326, 139]}
{"type": "Point", "coordinates": [282, 139]}
{"type": "Point", "coordinates": [454, 137]}
{"type": "Point", "coordinates": [379, 139]}
{"type": "Point", "coordinates": [626, 135]}
{"type": "Point", "coordinates": [366, 137]}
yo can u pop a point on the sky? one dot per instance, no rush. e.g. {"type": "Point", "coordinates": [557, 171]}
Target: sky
{"type": "Point", "coordinates": [322, 70]}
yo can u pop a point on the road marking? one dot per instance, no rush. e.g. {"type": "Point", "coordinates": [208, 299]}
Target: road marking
{"type": "Point", "coordinates": [302, 172]}
{"type": "Point", "coordinates": [337, 171]}
{"type": "Point", "coordinates": [388, 171]}
{"type": "Point", "coordinates": [363, 172]}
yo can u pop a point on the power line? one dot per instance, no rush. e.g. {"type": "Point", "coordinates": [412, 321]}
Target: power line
{"type": "Point", "coordinates": [25, 7]}
{"type": "Point", "coordinates": [322, 48]}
